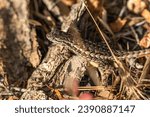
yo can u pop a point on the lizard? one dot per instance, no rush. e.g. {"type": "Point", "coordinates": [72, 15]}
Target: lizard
{"type": "Point", "coordinates": [97, 53]}
{"type": "Point", "coordinates": [94, 51]}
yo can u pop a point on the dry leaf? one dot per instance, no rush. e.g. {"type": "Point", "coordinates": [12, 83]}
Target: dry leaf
{"type": "Point", "coordinates": [58, 94]}
{"type": "Point", "coordinates": [146, 15]}
{"type": "Point", "coordinates": [136, 6]}
{"type": "Point", "coordinates": [13, 98]}
{"type": "Point", "coordinates": [145, 41]}
{"type": "Point", "coordinates": [135, 21]}
{"type": "Point", "coordinates": [96, 4]}
{"type": "Point", "coordinates": [118, 25]}
{"type": "Point", "coordinates": [69, 2]}
{"type": "Point", "coordinates": [95, 7]}
{"type": "Point", "coordinates": [147, 27]}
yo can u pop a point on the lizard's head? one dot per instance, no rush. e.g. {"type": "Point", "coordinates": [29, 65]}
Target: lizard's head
{"type": "Point", "coordinates": [57, 36]}
{"type": "Point", "coordinates": [53, 35]}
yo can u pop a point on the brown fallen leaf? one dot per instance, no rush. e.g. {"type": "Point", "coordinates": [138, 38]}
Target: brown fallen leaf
{"type": "Point", "coordinates": [96, 4]}
{"type": "Point", "coordinates": [69, 2]}
{"type": "Point", "coordinates": [136, 6]}
{"type": "Point", "coordinates": [118, 25]}
{"type": "Point", "coordinates": [146, 15]}
{"type": "Point", "coordinates": [147, 27]}
{"type": "Point", "coordinates": [145, 41]}
{"type": "Point", "coordinates": [12, 98]}
{"type": "Point", "coordinates": [135, 20]}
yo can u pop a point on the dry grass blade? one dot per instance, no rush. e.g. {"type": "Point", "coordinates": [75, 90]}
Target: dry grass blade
{"type": "Point", "coordinates": [95, 88]}
{"type": "Point", "coordinates": [106, 26]}
{"type": "Point", "coordinates": [146, 70]}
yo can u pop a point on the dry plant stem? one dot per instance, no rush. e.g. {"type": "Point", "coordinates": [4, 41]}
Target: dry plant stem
{"type": "Point", "coordinates": [56, 8]}
{"type": "Point", "coordinates": [135, 34]}
{"type": "Point", "coordinates": [73, 69]}
{"type": "Point", "coordinates": [75, 14]}
{"type": "Point", "coordinates": [45, 71]}
{"type": "Point", "coordinates": [106, 26]}
{"type": "Point", "coordinates": [55, 56]}
{"type": "Point", "coordinates": [145, 71]}
{"type": "Point", "coordinates": [98, 88]}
